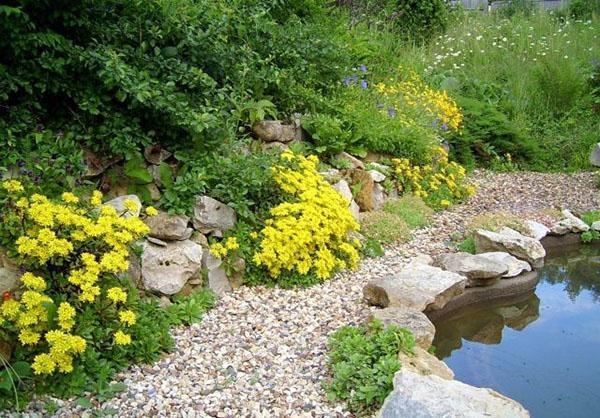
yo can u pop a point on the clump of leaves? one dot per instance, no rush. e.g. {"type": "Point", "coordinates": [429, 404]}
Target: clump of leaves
{"type": "Point", "coordinates": [591, 217]}
{"type": "Point", "coordinates": [363, 361]}
{"type": "Point", "coordinates": [411, 209]}
{"type": "Point", "coordinates": [467, 245]}
{"type": "Point", "coordinates": [385, 228]}
{"type": "Point", "coordinates": [189, 310]}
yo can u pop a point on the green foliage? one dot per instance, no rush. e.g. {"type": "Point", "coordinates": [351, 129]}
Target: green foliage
{"type": "Point", "coordinates": [590, 236]}
{"type": "Point", "coordinates": [467, 245]}
{"type": "Point", "coordinates": [591, 217]}
{"type": "Point", "coordinates": [386, 228]}
{"type": "Point", "coordinates": [328, 134]}
{"type": "Point", "coordinates": [411, 209]}
{"type": "Point", "coordinates": [363, 361]}
{"type": "Point", "coordinates": [189, 309]}
{"type": "Point", "coordinates": [372, 248]}
{"type": "Point", "coordinates": [583, 9]}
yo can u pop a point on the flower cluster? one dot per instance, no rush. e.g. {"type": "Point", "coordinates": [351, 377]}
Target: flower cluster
{"type": "Point", "coordinates": [439, 184]}
{"type": "Point", "coordinates": [221, 249]}
{"type": "Point", "coordinates": [415, 93]}
{"type": "Point", "coordinates": [83, 244]}
{"type": "Point", "coordinates": [308, 233]}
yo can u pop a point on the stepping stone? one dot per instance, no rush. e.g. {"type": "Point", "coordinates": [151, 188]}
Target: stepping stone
{"type": "Point", "coordinates": [515, 266]}
{"type": "Point", "coordinates": [510, 241]}
{"type": "Point", "coordinates": [414, 321]}
{"type": "Point", "coordinates": [481, 271]}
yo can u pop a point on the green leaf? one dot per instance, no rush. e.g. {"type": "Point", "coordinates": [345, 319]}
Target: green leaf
{"type": "Point", "coordinates": [21, 368]}
{"type": "Point", "coordinates": [136, 170]}
{"type": "Point", "coordinates": [5, 381]}
{"type": "Point", "coordinates": [166, 175]}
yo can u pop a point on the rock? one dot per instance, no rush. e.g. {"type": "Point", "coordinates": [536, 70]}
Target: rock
{"type": "Point", "coordinates": [414, 321]}
{"type": "Point", "coordinates": [200, 239]}
{"type": "Point", "coordinates": [9, 274]}
{"type": "Point", "coordinates": [155, 154]}
{"type": "Point", "coordinates": [355, 210]}
{"type": "Point", "coordinates": [6, 350]}
{"type": "Point", "coordinates": [514, 265]}
{"type": "Point", "coordinates": [576, 225]}
{"type": "Point", "coordinates": [417, 286]}
{"type": "Point", "coordinates": [353, 161]}
{"type": "Point", "coordinates": [134, 271]}
{"type": "Point", "coordinates": [275, 131]}
{"type": "Point", "coordinates": [211, 215]}
{"type": "Point", "coordinates": [278, 146]}
{"type": "Point", "coordinates": [156, 241]}
{"type": "Point", "coordinates": [378, 196]}
{"type": "Point", "coordinates": [164, 302]}
{"type": "Point", "coordinates": [344, 189]}
{"type": "Point", "coordinates": [155, 193]}
{"type": "Point", "coordinates": [510, 241]}
{"type": "Point", "coordinates": [217, 278]}
{"type": "Point", "coordinates": [595, 155]}
{"type": "Point", "coordinates": [422, 259]}
{"type": "Point", "coordinates": [332, 175]}
{"type": "Point", "coordinates": [431, 396]}
{"type": "Point", "coordinates": [424, 363]}
{"type": "Point", "coordinates": [377, 176]}
{"type": "Point", "coordinates": [165, 270]}
{"type": "Point", "coordinates": [169, 227]}
{"type": "Point", "coordinates": [596, 226]}
{"type": "Point", "coordinates": [481, 271]}
{"type": "Point", "coordinates": [119, 204]}
{"type": "Point", "coordinates": [365, 195]}
{"type": "Point", "coordinates": [96, 164]}
{"type": "Point", "coordinates": [536, 229]}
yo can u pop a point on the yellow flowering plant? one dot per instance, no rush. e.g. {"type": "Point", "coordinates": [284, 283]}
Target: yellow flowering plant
{"type": "Point", "coordinates": [440, 183]}
{"type": "Point", "coordinates": [72, 295]}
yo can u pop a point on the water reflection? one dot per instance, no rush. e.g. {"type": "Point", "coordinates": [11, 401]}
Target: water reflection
{"type": "Point", "coordinates": [578, 270]}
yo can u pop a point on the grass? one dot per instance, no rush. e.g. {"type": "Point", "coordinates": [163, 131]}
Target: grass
{"type": "Point", "coordinates": [411, 209]}
{"type": "Point", "coordinates": [385, 228]}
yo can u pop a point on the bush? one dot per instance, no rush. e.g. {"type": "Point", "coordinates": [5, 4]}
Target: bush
{"type": "Point", "coordinates": [328, 134]}
{"type": "Point", "coordinates": [363, 361]}
{"type": "Point", "coordinates": [411, 209]}
{"type": "Point", "coordinates": [583, 9]}
{"type": "Point", "coordinates": [384, 227]}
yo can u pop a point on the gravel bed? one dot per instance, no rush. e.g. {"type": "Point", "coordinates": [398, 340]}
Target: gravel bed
{"type": "Point", "coordinates": [262, 352]}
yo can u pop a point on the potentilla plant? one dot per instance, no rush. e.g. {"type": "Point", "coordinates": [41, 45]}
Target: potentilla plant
{"type": "Point", "coordinates": [72, 252]}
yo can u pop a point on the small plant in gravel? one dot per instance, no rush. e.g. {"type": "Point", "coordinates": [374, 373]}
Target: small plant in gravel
{"type": "Point", "coordinates": [412, 209]}
{"type": "Point", "coordinates": [495, 221]}
{"type": "Point", "coordinates": [467, 245]}
{"type": "Point", "coordinates": [363, 361]}
{"type": "Point", "coordinates": [385, 228]}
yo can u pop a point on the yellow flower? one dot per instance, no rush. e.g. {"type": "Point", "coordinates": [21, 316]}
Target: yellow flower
{"type": "Point", "coordinates": [116, 295]}
{"type": "Point", "coordinates": [127, 317]}
{"type": "Point", "coordinates": [33, 282]}
{"type": "Point", "coordinates": [12, 186]}
{"type": "Point", "coordinates": [69, 197]}
{"type": "Point", "coordinates": [43, 364]}
{"type": "Point", "coordinates": [150, 211]}
{"type": "Point", "coordinates": [445, 203]}
{"type": "Point", "coordinates": [131, 205]}
{"type": "Point", "coordinates": [96, 199]}
{"type": "Point", "coordinates": [66, 313]}
{"type": "Point", "coordinates": [28, 337]}
{"type": "Point", "coordinates": [231, 243]}
{"type": "Point", "coordinates": [122, 339]}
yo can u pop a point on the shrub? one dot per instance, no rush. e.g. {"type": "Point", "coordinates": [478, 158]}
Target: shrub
{"type": "Point", "coordinates": [440, 183]}
{"type": "Point", "coordinates": [363, 361]}
{"type": "Point", "coordinates": [495, 221]}
{"type": "Point", "coordinates": [328, 134]}
{"type": "Point", "coordinates": [411, 209]}
{"type": "Point", "coordinates": [384, 227]}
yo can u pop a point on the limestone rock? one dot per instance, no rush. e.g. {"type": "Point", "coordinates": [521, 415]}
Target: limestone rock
{"type": "Point", "coordinates": [9, 279]}
{"type": "Point", "coordinates": [424, 363]}
{"type": "Point", "coordinates": [418, 286]}
{"type": "Point", "coordinates": [481, 271]}
{"type": "Point", "coordinates": [211, 215]}
{"type": "Point", "coordinates": [536, 229]}
{"type": "Point", "coordinates": [275, 131]}
{"type": "Point", "coordinates": [377, 176]}
{"type": "Point", "coordinates": [165, 270]}
{"type": "Point", "coordinates": [596, 226]}
{"type": "Point", "coordinates": [514, 265]}
{"type": "Point", "coordinates": [595, 155]}
{"type": "Point", "coordinates": [155, 154]}
{"type": "Point", "coordinates": [169, 227]}
{"type": "Point", "coordinates": [573, 223]}
{"type": "Point", "coordinates": [119, 204]}
{"type": "Point", "coordinates": [355, 210]}
{"type": "Point", "coordinates": [217, 278]}
{"type": "Point", "coordinates": [414, 321]}
{"type": "Point", "coordinates": [332, 175]}
{"type": "Point", "coordinates": [431, 396]}
{"type": "Point", "coordinates": [510, 241]}
{"type": "Point", "coordinates": [343, 188]}
{"type": "Point", "coordinates": [365, 195]}
{"type": "Point", "coordinates": [378, 196]}
{"type": "Point", "coordinates": [353, 161]}
{"type": "Point", "coordinates": [279, 146]}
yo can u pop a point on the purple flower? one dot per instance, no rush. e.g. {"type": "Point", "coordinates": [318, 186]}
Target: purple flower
{"type": "Point", "coordinates": [363, 84]}
{"type": "Point", "coordinates": [444, 127]}
{"type": "Point", "coordinates": [392, 112]}
{"type": "Point", "coordinates": [346, 81]}
{"type": "Point", "coordinates": [363, 68]}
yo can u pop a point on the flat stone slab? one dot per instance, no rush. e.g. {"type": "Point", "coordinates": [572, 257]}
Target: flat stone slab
{"type": "Point", "coordinates": [570, 223]}
{"type": "Point", "coordinates": [418, 396]}
{"type": "Point", "coordinates": [422, 362]}
{"type": "Point", "coordinates": [414, 321]}
{"type": "Point", "coordinates": [537, 230]}
{"type": "Point", "coordinates": [515, 266]}
{"type": "Point", "coordinates": [510, 241]}
{"type": "Point", "coordinates": [418, 286]}
{"type": "Point", "coordinates": [481, 271]}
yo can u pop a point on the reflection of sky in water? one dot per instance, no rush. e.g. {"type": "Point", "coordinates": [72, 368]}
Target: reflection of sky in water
{"type": "Point", "coordinates": [552, 366]}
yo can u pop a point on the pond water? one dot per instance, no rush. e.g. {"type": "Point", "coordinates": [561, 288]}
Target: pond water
{"type": "Point", "coordinates": [541, 349]}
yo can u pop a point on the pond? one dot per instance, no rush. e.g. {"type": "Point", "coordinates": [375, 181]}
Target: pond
{"type": "Point", "coordinates": [542, 348]}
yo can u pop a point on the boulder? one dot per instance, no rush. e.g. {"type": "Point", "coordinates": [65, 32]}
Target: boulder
{"type": "Point", "coordinates": [119, 204]}
{"type": "Point", "coordinates": [353, 161]}
{"type": "Point", "coordinates": [514, 265]}
{"type": "Point", "coordinates": [155, 154]}
{"type": "Point", "coordinates": [355, 210]}
{"type": "Point", "coordinates": [217, 277]}
{"type": "Point", "coordinates": [417, 286]}
{"type": "Point", "coordinates": [419, 396]}
{"type": "Point", "coordinates": [377, 176]}
{"type": "Point", "coordinates": [378, 196]}
{"type": "Point", "coordinates": [481, 271]}
{"type": "Point", "coordinates": [365, 195]}
{"type": "Point", "coordinates": [343, 188]}
{"type": "Point", "coordinates": [570, 223]}
{"type": "Point", "coordinates": [169, 227]}
{"type": "Point", "coordinates": [9, 274]}
{"type": "Point", "coordinates": [596, 226]}
{"type": "Point", "coordinates": [166, 270]}
{"type": "Point", "coordinates": [275, 131]}
{"type": "Point", "coordinates": [425, 363]}
{"type": "Point", "coordinates": [595, 155]}
{"type": "Point", "coordinates": [278, 146]}
{"type": "Point", "coordinates": [210, 215]}
{"type": "Point", "coordinates": [332, 175]}
{"type": "Point", "coordinates": [536, 230]}
{"type": "Point", "coordinates": [510, 241]}
{"type": "Point", "coordinates": [414, 321]}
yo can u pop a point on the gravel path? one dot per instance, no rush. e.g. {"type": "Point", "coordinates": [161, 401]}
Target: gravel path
{"type": "Point", "coordinates": [262, 352]}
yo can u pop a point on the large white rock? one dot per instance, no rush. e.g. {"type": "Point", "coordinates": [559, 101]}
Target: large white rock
{"type": "Point", "coordinates": [510, 241]}
{"type": "Point", "coordinates": [414, 321]}
{"type": "Point", "coordinates": [418, 286]}
{"type": "Point", "coordinates": [119, 204]}
{"type": "Point", "coordinates": [481, 271]}
{"type": "Point", "coordinates": [536, 230]}
{"type": "Point", "coordinates": [595, 155]}
{"type": "Point", "coordinates": [596, 226]}
{"type": "Point", "coordinates": [210, 215]}
{"type": "Point", "coordinates": [430, 396]}
{"type": "Point", "coordinates": [378, 196]}
{"type": "Point", "coordinates": [166, 270]}
{"type": "Point", "coordinates": [343, 188]}
{"type": "Point", "coordinates": [377, 176]}
{"type": "Point", "coordinates": [275, 131]}
{"type": "Point", "coordinates": [570, 223]}
{"type": "Point", "coordinates": [217, 277]}
{"type": "Point", "coordinates": [514, 265]}
{"type": "Point", "coordinates": [169, 227]}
